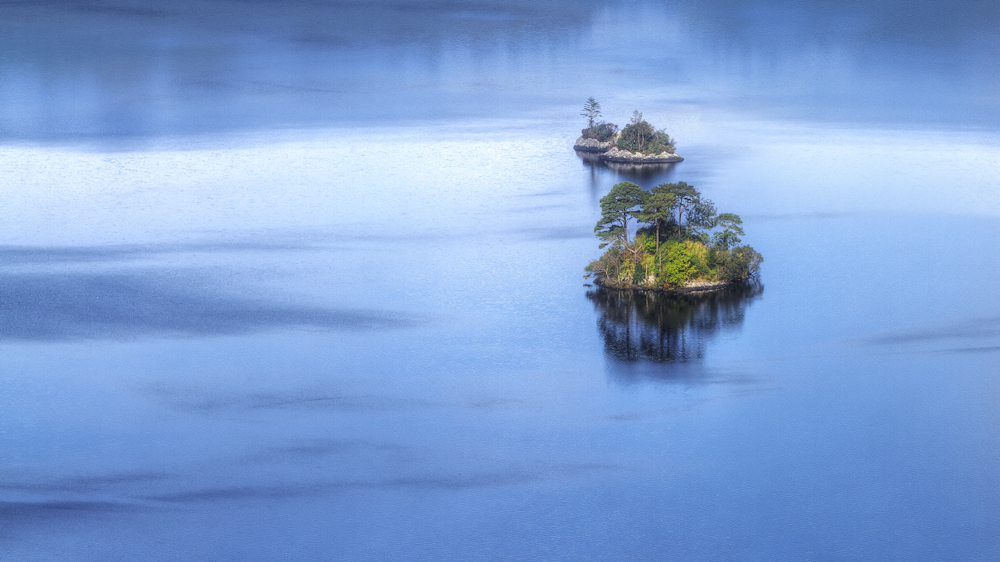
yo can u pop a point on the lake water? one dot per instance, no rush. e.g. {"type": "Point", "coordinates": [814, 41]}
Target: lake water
{"type": "Point", "coordinates": [304, 281]}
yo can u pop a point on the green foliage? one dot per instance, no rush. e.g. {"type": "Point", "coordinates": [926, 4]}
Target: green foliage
{"type": "Point", "coordinates": [656, 209]}
{"type": "Point", "coordinates": [699, 253]}
{"type": "Point", "coordinates": [676, 266]}
{"type": "Point", "coordinates": [732, 229]}
{"type": "Point", "coordinates": [648, 261]}
{"type": "Point", "coordinates": [662, 142]}
{"type": "Point", "coordinates": [644, 242]}
{"type": "Point", "coordinates": [724, 240]}
{"type": "Point", "coordinates": [642, 138]}
{"type": "Point", "coordinates": [617, 208]}
{"type": "Point", "coordinates": [741, 264]}
{"type": "Point", "coordinates": [639, 273]}
{"type": "Point", "coordinates": [600, 131]}
{"type": "Point", "coordinates": [695, 216]}
{"type": "Point", "coordinates": [649, 264]}
{"type": "Point", "coordinates": [729, 221]}
{"type": "Point", "coordinates": [608, 266]}
{"type": "Point", "coordinates": [701, 218]}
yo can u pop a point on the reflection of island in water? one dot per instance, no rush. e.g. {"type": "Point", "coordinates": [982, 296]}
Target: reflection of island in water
{"type": "Point", "coordinates": [632, 171]}
{"type": "Point", "coordinates": [650, 328]}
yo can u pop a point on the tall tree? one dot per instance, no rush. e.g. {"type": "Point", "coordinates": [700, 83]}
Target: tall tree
{"type": "Point", "coordinates": [656, 210]}
{"type": "Point", "coordinates": [685, 199]}
{"type": "Point", "coordinates": [701, 218]}
{"type": "Point", "coordinates": [636, 134]}
{"type": "Point", "coordinates": [732, 229]}
{"type": "Point", "coordinates": [592, 111]}
{"type": "Point", "coordinates": [621, 204]}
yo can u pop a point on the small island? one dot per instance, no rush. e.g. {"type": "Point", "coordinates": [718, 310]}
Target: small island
{"type": "Point", "coordinates": [681, 246]}
{"type": "Point", "coordinates": [638, 143]}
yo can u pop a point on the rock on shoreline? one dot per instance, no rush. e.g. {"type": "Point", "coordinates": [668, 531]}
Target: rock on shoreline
{"type": "Point", "coordinates": [623, 156]}
{"type": "Point", "coordinates": [594, 145]}
{"type": "Point", "coordinates": [696, 286]}
{"type": "Point", "coordinates": [609, 152]}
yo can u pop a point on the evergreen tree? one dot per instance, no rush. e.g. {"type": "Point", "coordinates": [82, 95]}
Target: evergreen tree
{"type": "Point", "coordinates": [592, 111]}
{"type": "Point", "coordinates": [701, 219]}
{"type": "Point", "coordinates": [623, 203]}
{"type": "Point", "coordinates": [686, 254]}
{"type": "Point", "coordinates": [732, 229]}
{"type": "Point", "coordinates": [656, 210]}
{"type": "Point", "coordinates": [685, 199]}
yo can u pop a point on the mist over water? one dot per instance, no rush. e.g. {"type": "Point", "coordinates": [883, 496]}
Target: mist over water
{"type": "Point", "coordinates": [305, 282]}
{"type": "Point", "coordinates": [128, 69]}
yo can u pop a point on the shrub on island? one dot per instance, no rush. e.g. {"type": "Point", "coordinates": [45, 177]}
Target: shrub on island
{"type": "Point", "coordinates": [601, 132]}
{"type": "Point", "coordinates": [597, 129]}
{"type": "Point", "coordinates": [639, 137]}
{"type": "Point", "coordinates": [682, 243]}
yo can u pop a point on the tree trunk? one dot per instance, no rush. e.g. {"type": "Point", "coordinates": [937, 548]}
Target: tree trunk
{"type": "Point", "coordinates": [657, 243]}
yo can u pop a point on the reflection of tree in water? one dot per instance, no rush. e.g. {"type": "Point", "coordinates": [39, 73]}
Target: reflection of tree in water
{"type": "Point", "coordinates": [642, 173]}
{"type": "Point", "coordinates": [660, 328]}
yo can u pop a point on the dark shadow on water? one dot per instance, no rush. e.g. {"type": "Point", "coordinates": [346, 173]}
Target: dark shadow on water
{"type": "Point", "coordinates": [663, 337]}
{"type": "Point", "coordinates": [76, 306]}
{"type": "Point", "coordinates": [643, 174]}
{"type": "Point", "coordinates": [330, 399]}
{"type": "Point", "coordinates": [975, 335]}
{"type": "Point", "coordinates": [20, 255]}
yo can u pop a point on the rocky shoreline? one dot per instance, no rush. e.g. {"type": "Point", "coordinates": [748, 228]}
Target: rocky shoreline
{"type": "Point", "coordinates": [593, 145]}
{"type": "Point", "coordinates": [689, 287]}
{"type": "Point", "coordinates": [625, 157]}
{"type": "Point", "coordinates": [609, 152]}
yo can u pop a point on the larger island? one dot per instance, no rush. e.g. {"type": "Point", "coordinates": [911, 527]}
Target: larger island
{"type": "Point", "coordinates": [681, 244]}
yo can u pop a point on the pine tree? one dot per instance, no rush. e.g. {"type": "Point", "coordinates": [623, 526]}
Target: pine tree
{"type": "Point", "coordinates": [592, 111]}
{"type": "Point", "coordinates": [623, 203]}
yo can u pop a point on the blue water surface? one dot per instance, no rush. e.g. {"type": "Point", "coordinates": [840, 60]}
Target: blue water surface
{"type": "Point", "coordinates": [304, 281]}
